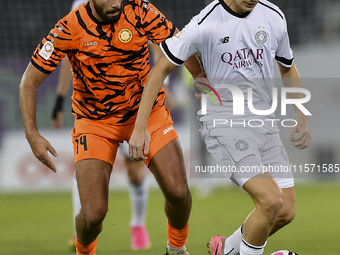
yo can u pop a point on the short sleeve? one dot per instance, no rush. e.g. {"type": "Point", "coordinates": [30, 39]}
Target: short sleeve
{"type": "Point", "coordinates": [53, 47]}
{"type": "Point", "coordinates": [154, 23]}
{"type": "Point", "coordinates": [183, 45]}
{"type": "Point", "coordinates": [284, 53]}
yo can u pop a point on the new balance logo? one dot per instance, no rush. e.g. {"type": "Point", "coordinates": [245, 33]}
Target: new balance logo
{"type": "Point", "coordinates": [94, 43]}
{"type": "Point", "coordinates": [223, 40]}
{"type": "Point", "coordinates": [168, 130]}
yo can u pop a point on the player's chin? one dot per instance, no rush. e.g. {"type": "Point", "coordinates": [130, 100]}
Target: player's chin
{"type": "Point", "coordinates": [112, 17]}
{"type": "Point", "coordinates": [248, 7]}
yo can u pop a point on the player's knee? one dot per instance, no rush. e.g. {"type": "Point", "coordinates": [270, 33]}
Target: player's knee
{"type": "Point", "coordinates": [136, 179]}
{"type": "Point", "coordinates": [178, 195]}
{"type": "Point", "coordinates": [291, 215]}
{"type": "Point", "coordinates": [95, 216]}
{"type": "Point", "coordinates": [271, 206]}
{"type": "Point", "coordinates": [287, 216]}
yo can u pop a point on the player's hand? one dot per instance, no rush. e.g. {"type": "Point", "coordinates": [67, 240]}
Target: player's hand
{"type": "Point", "coordinates": [300, 135]}
{"type": "Point", "coordinates": [57, 122]}
{"type": "Point", "coordinates": [199, 86]}
{"type": "Point", "coordinates": [40, 146]}
{"type": "Point", "coordinates": [139, 144]}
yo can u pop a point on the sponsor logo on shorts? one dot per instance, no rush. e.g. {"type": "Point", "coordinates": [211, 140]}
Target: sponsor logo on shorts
{"type": "Point", "coordinates": [167, 130]}
{"type": "Point", "coordinates": [241, 145]}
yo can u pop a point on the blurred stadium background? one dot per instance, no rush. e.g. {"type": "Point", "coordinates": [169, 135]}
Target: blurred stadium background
{"type": "Point", "coordinates": [42, 222]}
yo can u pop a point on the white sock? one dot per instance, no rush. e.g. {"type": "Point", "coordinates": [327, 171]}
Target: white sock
{"type": "Point", "coordinates": [75, 199]}
{"type": "Point", "coordinates": [139, 200]}
{"type": "Point", "coordinates": [174, 249]}
{"type": "Point", "coordinates": [249, 249]}
{"type": "Point", "coordinates": [232, 243]}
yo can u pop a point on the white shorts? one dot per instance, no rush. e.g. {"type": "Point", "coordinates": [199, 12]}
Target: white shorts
{"type": "Point", "coordinates": [249, 151]}
{"type": "Point", "coordinates": [124, 149]}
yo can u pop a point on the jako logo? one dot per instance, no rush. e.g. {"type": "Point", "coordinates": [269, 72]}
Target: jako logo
{"type": "Point", "coordinates": [168, 129]}
{"type": "Point", "coordinates": [94, 43]}
{"type": "Point", "coordinates": [238, 100]}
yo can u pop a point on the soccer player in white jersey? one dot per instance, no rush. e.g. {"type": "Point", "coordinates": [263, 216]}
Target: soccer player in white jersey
{"type": "Point", "coordinates": [237, 41]}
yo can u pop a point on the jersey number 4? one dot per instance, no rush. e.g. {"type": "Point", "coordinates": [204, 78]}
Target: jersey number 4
{"type": "Point", "coordinates": [82, 141]}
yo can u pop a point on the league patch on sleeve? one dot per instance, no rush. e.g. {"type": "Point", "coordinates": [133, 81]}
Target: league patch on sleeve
{"type": "Point", "coordinates": [176, 37]}
{"type": "Point", "coordinates": [46, 50]}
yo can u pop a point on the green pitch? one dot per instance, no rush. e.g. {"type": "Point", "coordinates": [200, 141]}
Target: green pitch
{"type": "Point", "coordinates": [40, 224]}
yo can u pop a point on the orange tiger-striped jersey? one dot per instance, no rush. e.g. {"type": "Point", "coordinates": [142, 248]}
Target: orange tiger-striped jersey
{"type": "Point", "coordinates": [110, 62]}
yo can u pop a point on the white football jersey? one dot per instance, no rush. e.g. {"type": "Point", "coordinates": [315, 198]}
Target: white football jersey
{"type": "Point", "coordinates": [77, 3]}
{"type": "Point", "coordinates": [235, 49]}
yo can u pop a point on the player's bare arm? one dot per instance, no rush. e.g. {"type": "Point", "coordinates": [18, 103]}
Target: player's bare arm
{"type": "Point", "coordinates": [194, 65]}
{"type": "Point", "coordinates": [140, 137]}
{"type": "Point", "coordinates": [30, 81]}
{"type": "Point", "coordinates": [157, 53]}
{"type": "Point", "coordinates": [300, 135]}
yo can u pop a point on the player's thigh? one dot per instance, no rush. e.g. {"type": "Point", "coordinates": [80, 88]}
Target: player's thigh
{"type": "Point", "coordinates": [238, 150]}
{"type": "Point", "coordinates": [93, 177]}
{"type": "Point", "coordinates": [165, 157]}
{"type": "Point", "coordinates": [167, 165]}
{"type": "Point", "coordinates": [274, 156]}
{"type": "Point", "coordinates": [94, 157]}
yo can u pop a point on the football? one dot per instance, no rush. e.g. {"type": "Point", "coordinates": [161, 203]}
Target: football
{"type": "Point", "coordinates": [284, 252]}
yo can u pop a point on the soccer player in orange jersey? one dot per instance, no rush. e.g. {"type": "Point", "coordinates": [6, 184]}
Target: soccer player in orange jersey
{"type": "Point", "coordinates": [106, 42]}
{"type": "Point", "coordinates": [138, 181]}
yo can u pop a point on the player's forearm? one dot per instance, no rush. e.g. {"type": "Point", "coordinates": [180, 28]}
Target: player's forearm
{"type": "Point", "coordinates": [291, 79]}
{"type": "Point", "coordinates": [154, 83]}
{"type": "Point", "coordinates": [149, 95]}
{"type": "Point", "coordinates": [27, 98]}
{"type": "Point", "coordinates": [194, 67]}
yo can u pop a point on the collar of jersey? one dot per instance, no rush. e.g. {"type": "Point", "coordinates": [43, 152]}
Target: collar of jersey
{"type": "Point", "coordinates": [89, 12]}
{"type": "Point", "coordinates": [226, 7]}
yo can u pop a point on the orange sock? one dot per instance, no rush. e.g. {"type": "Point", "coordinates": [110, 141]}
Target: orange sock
{"type": "Point", "coordinates": [177, 237]}
{"type": "Point", "coordinates": [86, 250]}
